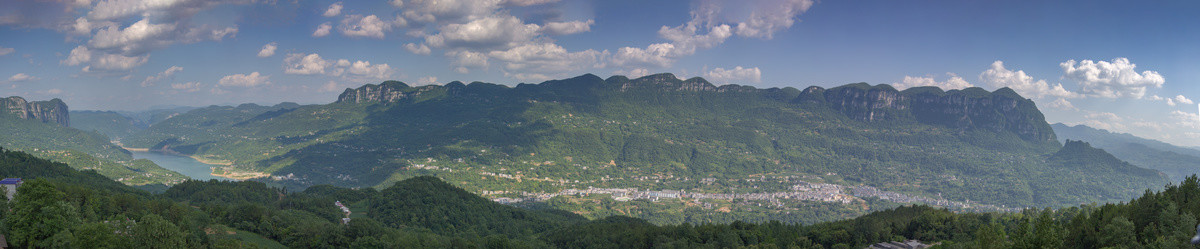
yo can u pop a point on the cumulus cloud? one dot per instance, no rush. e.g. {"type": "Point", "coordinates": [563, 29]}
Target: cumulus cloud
{"type": "Point", "coordinates": [5, 51]}
{"type": "Point", "coordinates": [116, 62]}
{"type": "Point", "coordinates": [656, 55]}
{"type": "Point", "coordinates": [464, 61]}
{"type": "Point", "coordinates": [367, 26]}
{"type": "Point", "coordinates": [267, 50]}
{"type": "Point", "coordinates": [1062, 104]}
{"type": "Point", "coordinates": [735, 75]}
{"type": "Point", "coordinates": [633, 73]}
{"type": "Point", "coordinates": [150, 80]}
{"type": "Point", "coordinates": [547, 58]}
{"type": "Point", "coordinates": [21, 77]}
{"type": "Point", "coordinates": [363, 68]}
{"type": "Point", "coordinates": [1183, 100]}
{"type": "Point", "coordinates": [334, 10]}
{"type": "Point", "coordinates": [142, 36]}
{"type": "Point", "coordinates": [245, 80]}
{"type": "Point", "coordinates": [488, 33]}
{"type": "Point", "coordinates": [567, 28]}
{"type": "Point", "coordinates": [427, 80]}
{"type": "Point", "coordinates": [447, 11]}
{"type": "Point", "coordinates": [771, 16]}
{"type": "Point", "coordinates": [998, 76]}
{"type": "Point", "coordinates": [308, 64]}
{"type": "Point", "coordinates": [304, 64]}
{"type": "Point", "coordinates": [954, 82]}
{"type": "Point", "coordinates": [322, 30]}
{"type": "Point", "coordinates": [420, 49]}
{"type": "Point", "coordinates": [1114, 79]}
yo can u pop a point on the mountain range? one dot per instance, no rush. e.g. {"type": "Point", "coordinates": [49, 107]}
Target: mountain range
{"type": "Point", "coordinates": [601, 147]}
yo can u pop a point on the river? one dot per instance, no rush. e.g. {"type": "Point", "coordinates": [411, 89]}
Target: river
{"type": "Point", "coordinates": [182, 164]}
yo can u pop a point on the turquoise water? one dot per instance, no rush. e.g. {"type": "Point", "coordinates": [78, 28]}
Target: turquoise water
{"type": "Point", "coordinates": [182, 164]}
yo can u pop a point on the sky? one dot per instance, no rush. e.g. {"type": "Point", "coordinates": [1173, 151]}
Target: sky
{"type": "Point", "coordinates": [1123, 66]}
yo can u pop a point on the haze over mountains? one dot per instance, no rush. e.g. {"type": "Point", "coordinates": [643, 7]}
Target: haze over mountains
{"type": "Point", "coordinates": [758, 153]}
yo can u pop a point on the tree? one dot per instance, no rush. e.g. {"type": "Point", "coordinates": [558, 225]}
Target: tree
{"type": "Point", "coordinates": [152, 231]}
{"type": "Point", "coordinates": [38, 213]}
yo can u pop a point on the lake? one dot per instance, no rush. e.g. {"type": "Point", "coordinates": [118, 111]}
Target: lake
{"type": "Point", "coordinates": [182, 164]}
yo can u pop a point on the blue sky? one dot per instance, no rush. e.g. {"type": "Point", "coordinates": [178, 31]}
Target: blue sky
{"type": "Point", "coordinates": [1125, 66]}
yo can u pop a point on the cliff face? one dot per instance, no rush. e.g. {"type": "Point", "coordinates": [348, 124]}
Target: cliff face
{"type": "Point", "coordinates": [968, 109]}
{"type": "Point", "coordinates": [387, 92]}
{"type": "Point", "coordinates": [972, 108]}
{"type": "Point", "coordinates": [51, 111]}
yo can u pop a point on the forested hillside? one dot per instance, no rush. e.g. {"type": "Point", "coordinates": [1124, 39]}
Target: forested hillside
{"type": "Point", "coordinates": [874, 145]}
{"type": "Point", "coordinates": [59, 207]}
{"type": "Point", "coordinates": [82, 150]}
{"type": "Point", "coordinates": [1177, 162]}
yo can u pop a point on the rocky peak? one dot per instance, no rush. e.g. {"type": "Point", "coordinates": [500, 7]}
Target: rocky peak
{"type": "Point", "coordinates": [51, 111]}
{"type": "Point", "coordinates": [386, 92]}
{"type": "Point", "coordinates": [967, 109]}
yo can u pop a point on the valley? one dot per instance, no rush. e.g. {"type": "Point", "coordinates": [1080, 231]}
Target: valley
{"type": "Point", "coordinates": [600, 147]}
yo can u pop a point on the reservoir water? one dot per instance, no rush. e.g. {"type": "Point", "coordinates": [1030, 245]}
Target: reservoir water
{"type": "Point", "coordinates": [182, 164]}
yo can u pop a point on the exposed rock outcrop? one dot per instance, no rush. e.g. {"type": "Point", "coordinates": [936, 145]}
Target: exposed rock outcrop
{"type": "Point", "coordinates": [51, 111]}
{"type": "Point", "coordinates": [967, 109]}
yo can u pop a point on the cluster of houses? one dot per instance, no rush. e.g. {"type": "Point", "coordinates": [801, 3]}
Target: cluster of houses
{"type": "Point", "coordinates": [344, 209]}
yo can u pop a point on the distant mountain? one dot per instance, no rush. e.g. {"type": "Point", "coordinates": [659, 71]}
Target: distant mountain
{"type": "Point", "coordinates": [111, 124]}
{"type": "Point", "coordinates": [1177, 162]}
{"type": "Point", "coordinates": [44, 136]}
{"type": "Point", "coordinates": [659, 132]}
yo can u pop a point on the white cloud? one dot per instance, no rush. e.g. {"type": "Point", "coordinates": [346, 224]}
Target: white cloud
{"type": "Point", "coordinates": [363, 68]}
{"type": "Point", "coordinates": [735, 75]}
{"type": "Point", "coordinates": [655, 55]}
{"type": "Point", "coordinates": [334, 10]}
{"type": "Point", "coordinates": [267, 50]}
{"type": "Point", "coordinates": [427, 80]}
{"type": "Point", "coordinates": [633, 73]}
{"type": "Point", "coordinates": [142, 36]}
{"type": "Point", "coordinates": [21, 77]}
{"type": "Point", "coordinates": [998, 76]}
{"type": "Point", "coordinates": [420, 49]}
{"type": "Point", "coordinates": [6, 51]}
{"type": "Point", "coordinates": [149, 81]}
{"type": "Point", "coordinates": [1062, 104]}
{"type": "Point", "coordinates": [447, 11]}
{"type": "Point", "coordinates": [489, 33]}
{"type": "Point", "coordinates": [330, 86]}
{"type": "Point", "coordinates": [365, 26]}
{"type": "Point", "coordinates": [187, 87]}
{"type": "Point", "coordinates": [547, 58]}
{"type": "Point", "coordinates": [304, 64]}
{"type": "Point", "coordinates": [954, 82]}
{"type": "Point", "coordinates": [245, 80]}
{"type": "Point", "coordinates": [464, 61]}
{"type": "Point", "coordinates": [116, 62]}
{"type": "Point", "coordinates": [1114, 79]}
{"type": "Point", "coordinates": [322, 30]}
{"type": "Point", "coordinates": [78, 56]}
{"type": "Point", "coordinates": [308, 64]}
{"type": "Point", "coordinates": [54, 91]}
{"type": "Point", "coordinates": [1186, 119]}
{"type": "Point", "coordinates": [1104, 116]}
{"type": "Point", "coordinates": [1183, 100]}
{"type": "Point", "coordinates": [772, 16]}
{"type": "Point", "coordinates": [567, 28]}
{"type": "Point", "coordinates": [396, 3]}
